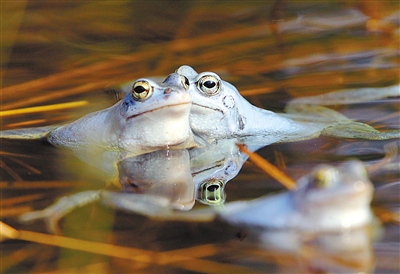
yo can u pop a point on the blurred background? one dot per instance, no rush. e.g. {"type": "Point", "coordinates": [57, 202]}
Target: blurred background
{"type": "Point", "coordinates": [77, 51]}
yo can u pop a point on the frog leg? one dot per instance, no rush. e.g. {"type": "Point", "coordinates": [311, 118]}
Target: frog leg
{"type": "Point", "coordinates": [154, 207]}
{"type": "Point", "coordinates": [151, 206]}
{"type": "Point", "coordinates": [147, 205]}
{"type": "Point", "coordinates": [336, 124]}
{"type": "Point", "coordinates": [349, 96]}
{"type": "Point", "coordinates": [314, 113]}
{"type": "Point", "coordinates": [356, 130]}
{"type": "Point", "coordinates": [52, 214]}
{"type": "Point", "coordinates": [28, 133]}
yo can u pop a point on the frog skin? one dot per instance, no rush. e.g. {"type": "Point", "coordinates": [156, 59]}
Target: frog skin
{"type": "Point", "coordinates": [152, 116]}
{"type": "Point", "coordinates": [156, 182]}
{"type": "Point", "coordinates": [329, 199]}
{"type": "Point", "coordinates": [213, 166]}
{"type": "Point", "coordinates": [219, 111]}
{"type": "Point", "coordinates": [153, 183]}
{"type": "Point", "coordinates": [346, 251]}
{"type": "Point", "coordinates": [160, 173]}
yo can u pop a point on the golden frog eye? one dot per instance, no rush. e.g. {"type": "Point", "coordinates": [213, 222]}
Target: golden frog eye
{"type": "Point", "coordinates": [142, 90]}
{"type": "Point", "coordinates": [209, 85]}
{"type": "Point", "coordinates": [185, 82]}
{"type": "Point", "coordinates": [324, 177]}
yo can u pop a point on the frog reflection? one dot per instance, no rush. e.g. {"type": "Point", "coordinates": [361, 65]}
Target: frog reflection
{"type": "Point", "coordinates": [324, 220]}
{"type": "Point", "coordinates": [214, 165]}
{"type": "Point", "coordinates": [161, 173]}
{"type": "Point", "coordinates": [347, 251]}
{"type": "Point", "coordinates": [158, 182]}
{"type": "Point", "coordinates": [152, 183]}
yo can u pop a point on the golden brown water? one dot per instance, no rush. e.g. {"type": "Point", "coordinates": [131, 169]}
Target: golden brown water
{"type": "Point", "coordinates": [62, 52]}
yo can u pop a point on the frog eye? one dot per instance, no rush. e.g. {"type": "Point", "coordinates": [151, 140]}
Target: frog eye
{"type": "Point", "coordinates": [209, 85]}
{"type": "Point", "coordinates": [324, 177]}
{"type": "Point", "coordinates": [212, 192]}
{"type": "Point", "coordinates": [141, 90]}
{"type": "Point", "coordinates": [185, 82]}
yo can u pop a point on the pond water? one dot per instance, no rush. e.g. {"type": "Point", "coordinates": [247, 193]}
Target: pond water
{"type": "Point", "coordinates": [272, 51]}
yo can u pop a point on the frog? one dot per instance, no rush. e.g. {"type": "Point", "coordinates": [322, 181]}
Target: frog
{"type": "Point", "coordinates": [219, 111]}
{"type": "Point", "coordinates": [152, 116]}
{"type": "Point", "coordinates": [155, 182]}
{"type": "Point", "coordinates": [329, 198]}
{"type": "Point", "coordinates": [149, 184]}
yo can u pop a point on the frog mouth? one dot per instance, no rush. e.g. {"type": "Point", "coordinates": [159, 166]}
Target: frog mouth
{"type": "Point", "coordinates": [155, 109]}
{"type": "Point", "coordinates": [214, 109]}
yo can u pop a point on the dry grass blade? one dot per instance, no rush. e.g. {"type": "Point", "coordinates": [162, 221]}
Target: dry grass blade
{"type": "Point", "coordinates": [20, 199]}
{"type": "Point", "coordinates": [39, 184]}
{"type": "Point", "coordinates": [26, 123]}
{"type": "Point", "coordinates": [17, 257]}
{"type": "Point", "coordinates": [14, 211]}
{"type": "Point", "coordinates": [42, 108]}
{"type": "Point", "coordinates": [139, 255]}
{"type": "Point", "coordinates": [77, 244]}
{"type": "Point", "coordinates": [387, 216]}
{"type": "Point", "coordinates": [269, 168]}
{"type": "Point", "coordinates": [10, 171]}
{"type": "Point", "coordinates": [29, 167]}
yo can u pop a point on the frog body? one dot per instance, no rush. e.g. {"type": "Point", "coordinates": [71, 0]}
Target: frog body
{"type": "Point", "coordinates": [219, 111]}
{"type": "Point", "coordinates": [328, 199]}
{"type": "Point", "coordinates": [152, 116]}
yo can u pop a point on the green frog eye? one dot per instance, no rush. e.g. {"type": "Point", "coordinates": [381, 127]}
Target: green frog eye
{"type": "Point", "coordinates": [141, 90]}
{"type": "Point", "coordinates": [212, 192]}
{"type": "Point", "coordinates": [209, 85]}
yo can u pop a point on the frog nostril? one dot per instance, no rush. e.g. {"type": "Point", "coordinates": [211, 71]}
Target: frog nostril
{"type": "Point", "coordinates": [167, 91]}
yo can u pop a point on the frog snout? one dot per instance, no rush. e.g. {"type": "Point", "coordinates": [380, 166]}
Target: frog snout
{"type": "Point", "coordinates": [176, 80]}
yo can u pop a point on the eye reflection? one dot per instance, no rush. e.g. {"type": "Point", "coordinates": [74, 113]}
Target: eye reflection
{"type": "Point", "coordinates": [212, 192]}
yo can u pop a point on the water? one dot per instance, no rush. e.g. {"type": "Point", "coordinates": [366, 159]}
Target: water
{"type": "Point", "coordinates": [272, 52]}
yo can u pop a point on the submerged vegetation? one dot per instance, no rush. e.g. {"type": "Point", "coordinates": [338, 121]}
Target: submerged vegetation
{"type": "Point", "coordinates": [62, 60]}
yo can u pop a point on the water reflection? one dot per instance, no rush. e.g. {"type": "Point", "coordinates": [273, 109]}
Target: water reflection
{"type": "Point", "coordinates": [327, 252]}
{"type": "Point", "coordinates": [324, 226]}
{"type": "Point", "coordinates": [161, 173]}
{"type": "Point", "coordinates": [295, 47]}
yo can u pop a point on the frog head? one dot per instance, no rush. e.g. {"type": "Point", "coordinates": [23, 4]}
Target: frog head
{"type": "Point", "coordinates": [338, 197]}
{"type": "Point", "coordinates": [154, 114]}
{"type": "Point", "coordinates": [216, 105]}
{"type": "Point", "coordinates": [219, 111]}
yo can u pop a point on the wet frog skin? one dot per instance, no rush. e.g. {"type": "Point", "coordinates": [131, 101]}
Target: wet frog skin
{"type": "Point", "coordinates": [152, 116]}
{"type": "Point", "coordinates": [219, 111]}
{"type": "Point", "coordinates": [328, 199]}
